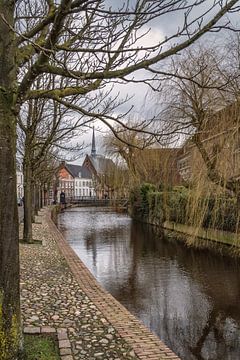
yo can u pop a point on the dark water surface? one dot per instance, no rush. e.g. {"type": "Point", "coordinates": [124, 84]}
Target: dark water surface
{"type": "Point", "coordinates": [189, 298]}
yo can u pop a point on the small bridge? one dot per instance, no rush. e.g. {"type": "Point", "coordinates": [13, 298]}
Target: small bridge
{"type": "Point", "coordinates": [92, 201]}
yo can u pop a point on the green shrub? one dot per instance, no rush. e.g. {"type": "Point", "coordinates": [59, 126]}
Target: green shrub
{"type": "Point", "coordinates": [221, 214]}
{"type": "Point", "coordinates": [139, 201]}
{"type": "Point", "coordinates": [155, 207]}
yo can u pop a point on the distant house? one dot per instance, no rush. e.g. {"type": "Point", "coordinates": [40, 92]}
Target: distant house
{"type": "Point", "coordinates": [75, 181]}
{"type": "Point", "coordinates": [66, 181]}
{"type": "Point", "coordinates": [101, 169]}
{"type": "Point", "coordinates": [83, 184]}
{"type": "Point", "coordinates": [220, 138]}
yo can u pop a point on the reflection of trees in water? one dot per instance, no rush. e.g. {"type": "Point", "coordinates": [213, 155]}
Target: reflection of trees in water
{"type": "Point", "coordinates": [214, 324]}
{"type": "Point", "coordinates": [90, 243]}
{"type": "Point", "coordinates": [198, 332]}
{"type": "Point", "coordinates": [97, 239]}
{"type": "Point", "coordinates": [188, 297]}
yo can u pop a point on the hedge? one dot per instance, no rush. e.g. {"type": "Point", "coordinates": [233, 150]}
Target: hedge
{"type": "Point", "coordinates": [152, 206]}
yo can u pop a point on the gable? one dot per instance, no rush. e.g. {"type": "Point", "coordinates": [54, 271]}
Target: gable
{"type": "Point", "coordinates": [89, 165]}
{"type": "Point", "coordinates": [64, 174]}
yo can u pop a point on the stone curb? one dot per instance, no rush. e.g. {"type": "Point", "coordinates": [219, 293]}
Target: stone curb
{"type": "Point", "coordinates": [146, 345]}
{"type": "Point", "coordinates": [62, 337]}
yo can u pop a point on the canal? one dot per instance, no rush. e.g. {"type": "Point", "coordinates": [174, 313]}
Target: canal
{"type": "Point", "coordinates": [189, 298]}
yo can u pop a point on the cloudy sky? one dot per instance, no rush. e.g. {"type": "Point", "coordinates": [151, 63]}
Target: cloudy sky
{"type": "Point", "coordinates": [159, 28]}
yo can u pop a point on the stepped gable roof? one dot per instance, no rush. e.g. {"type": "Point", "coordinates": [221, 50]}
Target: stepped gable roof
{"type": "Point", "coordinates": [101, 163]}
{"type": "Point", "coordinates": [76, 169]}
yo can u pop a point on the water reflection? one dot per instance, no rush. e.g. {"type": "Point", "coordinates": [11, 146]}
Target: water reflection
{"type": "Point", "coordinates": [190, 299]}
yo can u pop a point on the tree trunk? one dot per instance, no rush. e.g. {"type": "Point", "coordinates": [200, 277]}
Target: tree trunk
{"type": "Point", "coordinates": [27, 228]}
{"type": "Point", "coordinates": [36, 199]}
{"type": "Point", "coordinates": [33, 201]}
{"type": "Point", "coordinates": [10, 329]}
{"type": "Point", "coordinates": [238, 212]}
{"type": "Point", "coordinates": [41, 196]}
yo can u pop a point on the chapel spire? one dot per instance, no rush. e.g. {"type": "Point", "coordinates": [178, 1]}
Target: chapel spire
{"type": "Point", "coordinates": [93, 151]}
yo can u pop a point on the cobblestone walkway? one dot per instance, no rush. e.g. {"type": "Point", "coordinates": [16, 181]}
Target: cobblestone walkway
{"type": "Point", "coordinates": [52, 297]}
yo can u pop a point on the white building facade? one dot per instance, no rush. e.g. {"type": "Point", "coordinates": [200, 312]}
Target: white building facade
{"type": "Point", "coordinates": [84, 187]}
{"type": "Point", "coordinates": [76, 181]}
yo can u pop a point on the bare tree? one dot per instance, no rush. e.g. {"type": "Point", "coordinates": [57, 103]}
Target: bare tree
{"type": "Point", "coordinates": [87, 46]}
{"type": "Point", "coordinates": [45, 126]}
{"type": "Point", "coordinates": [199, 106]}
{"type": "Point", "coordinates": [145, 159]}
{"type": "Point", "coordinates": [127, 148]}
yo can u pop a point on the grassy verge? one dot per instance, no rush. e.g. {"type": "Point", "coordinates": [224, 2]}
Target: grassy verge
{"type": "Point", "coordinates": [40, 348]}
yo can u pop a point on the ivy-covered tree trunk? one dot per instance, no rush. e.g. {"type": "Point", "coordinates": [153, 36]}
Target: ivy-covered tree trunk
{"type": "Point", "coordinates": [10, 329]}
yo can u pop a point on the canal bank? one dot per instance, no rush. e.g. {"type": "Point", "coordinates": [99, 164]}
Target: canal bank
{"type": "Point", "coordinates": [198, 221]}
{"type": "Point", "coordinates": [58, 291]}
{"type": "Point", "coordinates": [188, 297]}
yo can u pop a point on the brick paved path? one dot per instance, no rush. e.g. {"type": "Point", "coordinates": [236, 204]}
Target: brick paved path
{"type": "Point", "coordinates": [58, 292]}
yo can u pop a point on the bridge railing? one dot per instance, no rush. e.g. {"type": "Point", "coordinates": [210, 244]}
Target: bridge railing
{"type": "Point", "coordinates": [81, 198]}
{"type": "Point", "coordinates": [94, 200]}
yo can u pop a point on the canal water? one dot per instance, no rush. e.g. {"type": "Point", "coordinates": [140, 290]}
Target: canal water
{"type": "Point", "coordinates": [189, 298]}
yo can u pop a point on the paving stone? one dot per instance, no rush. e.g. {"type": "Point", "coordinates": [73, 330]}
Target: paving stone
{"type": "Point", "coordinates": [61, 330]}
{"type": "Point", "coordinates": [65, 351]}
{"type": "Point", "coordinates": [32, 330]}
{"type": "Point", "coordinates": [62, 336]}
{"type": "Point", "coordinates": [64, 344]}
{"type": "Point", "coordinates": [33, 318]}
{"type": "Point", "coordinates": [48, 330]}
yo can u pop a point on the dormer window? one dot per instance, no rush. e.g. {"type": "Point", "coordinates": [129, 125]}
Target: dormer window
{"type": "Point", "coordinates": [79, 174]}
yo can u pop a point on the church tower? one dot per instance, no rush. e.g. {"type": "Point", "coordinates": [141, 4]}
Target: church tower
{"type": "Point", "coordinates": [93, 151]}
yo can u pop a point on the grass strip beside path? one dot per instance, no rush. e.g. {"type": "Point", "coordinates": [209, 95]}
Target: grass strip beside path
{"type": "Point", "coordinates": [38, 347]}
